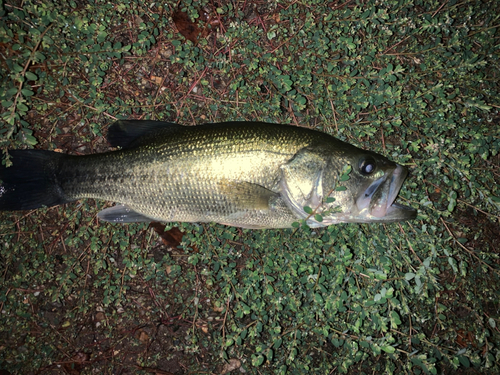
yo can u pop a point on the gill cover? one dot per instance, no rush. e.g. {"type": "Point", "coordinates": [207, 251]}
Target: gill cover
{"type": "Point", "coordinates": [301, 183]}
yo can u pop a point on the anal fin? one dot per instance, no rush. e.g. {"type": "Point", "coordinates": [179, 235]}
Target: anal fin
{"type": "Point", "coordinates": [122, 214]}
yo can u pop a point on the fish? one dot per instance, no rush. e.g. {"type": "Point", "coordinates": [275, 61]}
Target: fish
{"type": "Point", "coordinates": [244, 174]}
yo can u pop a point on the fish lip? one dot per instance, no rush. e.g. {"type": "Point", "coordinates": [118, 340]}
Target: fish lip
{"type": "Point", "coordinates": [377, 201]}
{"type": "Point", "coordinates": [399, 212]}
{"type": "Point", "coordinates": [398, 176]}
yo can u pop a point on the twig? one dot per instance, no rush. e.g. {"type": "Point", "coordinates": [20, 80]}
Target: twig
{"type": "Point", "coordinates": [441, 7]}
{"type": "Point", "coordinates": [463, 247]}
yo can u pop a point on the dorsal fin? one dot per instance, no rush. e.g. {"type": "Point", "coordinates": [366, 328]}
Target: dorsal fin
{"type": "Point", "coordinates": [125, 133]}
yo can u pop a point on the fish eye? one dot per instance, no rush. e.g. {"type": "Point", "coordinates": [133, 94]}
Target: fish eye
{"type": "Point", "coordinates": [367, 166]}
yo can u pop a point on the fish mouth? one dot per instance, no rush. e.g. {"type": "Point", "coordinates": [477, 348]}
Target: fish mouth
{"type": "Point", "coordinates": [377, 201]}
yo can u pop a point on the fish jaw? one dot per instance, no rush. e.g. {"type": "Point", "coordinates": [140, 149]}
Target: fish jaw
{"type": "Point", "coordinates": [377, 204]}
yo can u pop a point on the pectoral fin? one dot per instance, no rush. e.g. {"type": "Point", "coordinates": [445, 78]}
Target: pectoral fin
{"type": "Point", "coordinates": [302, 181]}
{"type": "Point", "coordinates": [277, 215]}
{"type": "Point", "coordinates": [122, 214]}
{"type": "Point", "coordinates": [246, 195]}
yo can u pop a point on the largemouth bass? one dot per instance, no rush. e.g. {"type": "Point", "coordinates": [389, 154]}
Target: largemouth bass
{"type": "Point", "coordinates": [243, 174]}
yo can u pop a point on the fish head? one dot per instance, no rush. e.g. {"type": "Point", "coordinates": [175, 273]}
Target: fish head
{"type": "Point", "coordinates": [313, 179]}
{"type": "Point", "coordinates": [369, 193]}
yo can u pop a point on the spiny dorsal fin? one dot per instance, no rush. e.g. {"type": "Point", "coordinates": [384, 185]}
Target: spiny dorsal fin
{"type": "Point", "coordinates": [126, 133]}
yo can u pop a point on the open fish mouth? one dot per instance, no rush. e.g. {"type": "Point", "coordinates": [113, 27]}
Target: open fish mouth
{"type": "Point", "coordinates": [377, 201]}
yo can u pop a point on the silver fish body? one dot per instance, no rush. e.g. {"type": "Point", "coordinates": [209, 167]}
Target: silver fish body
{"type": "Point", "coordinates": [244, 174]}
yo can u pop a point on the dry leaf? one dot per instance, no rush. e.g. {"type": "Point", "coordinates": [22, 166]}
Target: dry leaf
{"type": "Point", "coordinates": [188, 29]}
{"type": "Point", "coordinates": [218, 308]}
{"type": "Point", "coordinates": [233, 364]}
{"type": "Point", "coordinates": [99, 317]}
{"type": "Point", "coordinates": [143, 337]}
{"type": "Point", "coordinates": [77, 364]}
{"type": "Point", "coordinates": [157, 80]}
{"type": "Point", "coordinates": [194, 30]}
{"type": "Point", "coordinates": [171, 238]}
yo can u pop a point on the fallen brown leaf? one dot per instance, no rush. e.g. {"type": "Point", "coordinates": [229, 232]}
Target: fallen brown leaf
{"type": "Point", "coordinates": [77, 363]}
{"type": "Point", "coordinates": [171, 238]}
{"type": "Point", "coordinates": [99, 317]}
{"type": "Point", "coordinates": [233, 364]}
{"type": "Point", "coordinates": [194, 30]}
{"type": "Point", "coordinates": [143, 337]}
{"type": "Point", "coordinates": [187, 28]}
{"type": "Point", "coordinates": [157, 80]}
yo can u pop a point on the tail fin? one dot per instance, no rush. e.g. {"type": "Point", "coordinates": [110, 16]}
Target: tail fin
{"type": "Point", "coordinates": [31, 182]}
